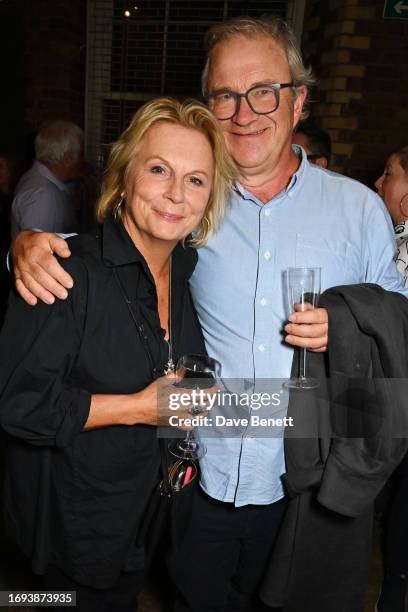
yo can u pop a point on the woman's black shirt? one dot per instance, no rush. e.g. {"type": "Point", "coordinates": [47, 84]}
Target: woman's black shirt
{"type": "Point", "coordinates": [75, 499]}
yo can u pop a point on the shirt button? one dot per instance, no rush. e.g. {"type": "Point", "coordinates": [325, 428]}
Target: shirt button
{"type": "Point", "coordinates": [267, 213]}
{"type": "Point", "coordinates": [263, 302]}
{"type": "Point", "coordinates": [267, 254]}
{"type": "Point", "coordinates": [261, 348]}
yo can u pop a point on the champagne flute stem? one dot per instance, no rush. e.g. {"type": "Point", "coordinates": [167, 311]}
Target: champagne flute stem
{"type": "Point", "coordinates": [302, 363]}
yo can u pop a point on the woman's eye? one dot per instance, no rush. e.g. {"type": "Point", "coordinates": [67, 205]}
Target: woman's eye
{"type": "Point", "coordinates": [195, 180]}
{"type": "Point", "coordinates": [157, 170]}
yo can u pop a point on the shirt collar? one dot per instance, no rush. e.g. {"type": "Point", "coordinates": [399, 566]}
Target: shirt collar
{"type": "Point", "coordinates": [301, 172]}
{"type": "Point", "coordinates": [46, 173]}
{"type": "Point", "coordinates": [118, 249]}
{"type": "Point", "coordinates": [294, 183]}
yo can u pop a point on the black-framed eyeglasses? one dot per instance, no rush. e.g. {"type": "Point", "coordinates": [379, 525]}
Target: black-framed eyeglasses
{"type": "Point", "coordinates": [262, 99]}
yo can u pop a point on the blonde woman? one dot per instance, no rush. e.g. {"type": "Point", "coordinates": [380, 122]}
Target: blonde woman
{"type": "Point", "coordinates": [78, 379]}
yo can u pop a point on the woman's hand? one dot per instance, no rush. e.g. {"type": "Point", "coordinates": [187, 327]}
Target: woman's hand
{"type": "Point", "coordinates": [154, 405]}
{"type": "Point", "coordinates": [38, 273]}
{"type": "Point", "coordinates": [157, 403]}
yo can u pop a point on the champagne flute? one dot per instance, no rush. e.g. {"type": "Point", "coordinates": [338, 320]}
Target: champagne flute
{"type": "Point", "coordinates": [194, 372]}
{"type": "Point", "coordinates": [303, 293]}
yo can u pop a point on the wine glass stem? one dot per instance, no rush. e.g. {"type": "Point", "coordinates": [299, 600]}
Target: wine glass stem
{"type": "Point", "coordinates": [189, 436]}
{"type": "Point", "coordinates": [302, 363]}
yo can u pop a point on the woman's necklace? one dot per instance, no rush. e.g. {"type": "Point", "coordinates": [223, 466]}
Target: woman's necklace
{"type": "Point", "coordinates": [170, 365]}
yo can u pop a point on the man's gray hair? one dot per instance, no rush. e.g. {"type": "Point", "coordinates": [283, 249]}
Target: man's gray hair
{"type": "Point", "coordinates": [251, 27]}
{"type": "Point", "coordinates": [56, 138]}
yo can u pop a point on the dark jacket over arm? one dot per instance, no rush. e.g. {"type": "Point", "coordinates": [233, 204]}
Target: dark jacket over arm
{"type": "Point", "coordinates": [347, 440]}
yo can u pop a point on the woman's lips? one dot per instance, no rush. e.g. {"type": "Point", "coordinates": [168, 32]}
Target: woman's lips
{"type": "Point", "coordinates": [170, 217]}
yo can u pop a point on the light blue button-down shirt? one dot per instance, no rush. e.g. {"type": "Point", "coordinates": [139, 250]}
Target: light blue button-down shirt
{"type": "Point", "coordinates": [321, 220]}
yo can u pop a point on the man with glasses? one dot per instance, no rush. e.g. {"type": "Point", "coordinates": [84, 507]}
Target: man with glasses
{"type": "Point", "coordinates": [283, 213]}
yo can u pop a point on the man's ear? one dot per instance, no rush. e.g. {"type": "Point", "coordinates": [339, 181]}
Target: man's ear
{"type": "Point", "coordinates": [321, 161]}
{"type": "Point", "coordinates": [67, 159]}
{"type": "Point", "coordinates": [301, 94]}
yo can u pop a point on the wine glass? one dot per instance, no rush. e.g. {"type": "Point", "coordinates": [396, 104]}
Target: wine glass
{"type": "Point", "coordinates": [194, 372]}
{"type": "Point", "coordinates": [303, 293]}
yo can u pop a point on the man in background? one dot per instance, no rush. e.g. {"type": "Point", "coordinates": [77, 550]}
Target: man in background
{"type": "Point", "coordinates": [316, 143]}
{"type": "Point", "coordinates": [44, 196]}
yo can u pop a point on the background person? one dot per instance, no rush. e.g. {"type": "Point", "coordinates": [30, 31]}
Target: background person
{"type": "Point", "coordinates": [315, 141]}
{"type": "Point", "coordinates": [44, 197]}
{"type": "Point", "coordinates": [79, 395]}
{"type": "Point", "coordinates": [392, 186]}
{"type": "Point", "coordinates": [283, 212]}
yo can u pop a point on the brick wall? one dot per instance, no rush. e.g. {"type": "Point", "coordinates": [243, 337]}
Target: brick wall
{"type": "Point", "coordinates": [55, 51]}
{"type": "Point", "coordinates": [360, 60]}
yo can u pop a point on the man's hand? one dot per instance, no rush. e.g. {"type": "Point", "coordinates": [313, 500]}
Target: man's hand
{"type": "Point", "coordinates": [308, 329]}
{"type": "Point", "coordinates": [38, 273]}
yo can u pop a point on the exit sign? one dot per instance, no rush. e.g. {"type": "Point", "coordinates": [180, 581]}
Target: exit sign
{"type": "Point", "coordinates": [395, 9]}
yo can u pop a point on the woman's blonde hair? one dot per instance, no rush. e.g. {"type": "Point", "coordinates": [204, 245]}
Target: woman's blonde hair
{"type": "Point", "coordinates": [189, 114]}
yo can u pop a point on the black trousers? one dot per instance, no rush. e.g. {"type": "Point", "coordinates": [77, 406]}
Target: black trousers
{"type": "Point", "coordinates": [120, 598]}
{"type": "Point", "coordinates": [219, 564]}
{"type": "Point", "coordinates": [396, 524]}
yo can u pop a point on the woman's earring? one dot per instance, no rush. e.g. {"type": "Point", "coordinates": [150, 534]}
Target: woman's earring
{"type": "Point", "coordinates": [117, 206]}
{"type": "Point", "coordinates": [402, 207]}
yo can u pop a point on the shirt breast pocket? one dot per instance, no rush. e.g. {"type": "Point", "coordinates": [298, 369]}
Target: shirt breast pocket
{"type": "Point", "coordinates": [330, 255]}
